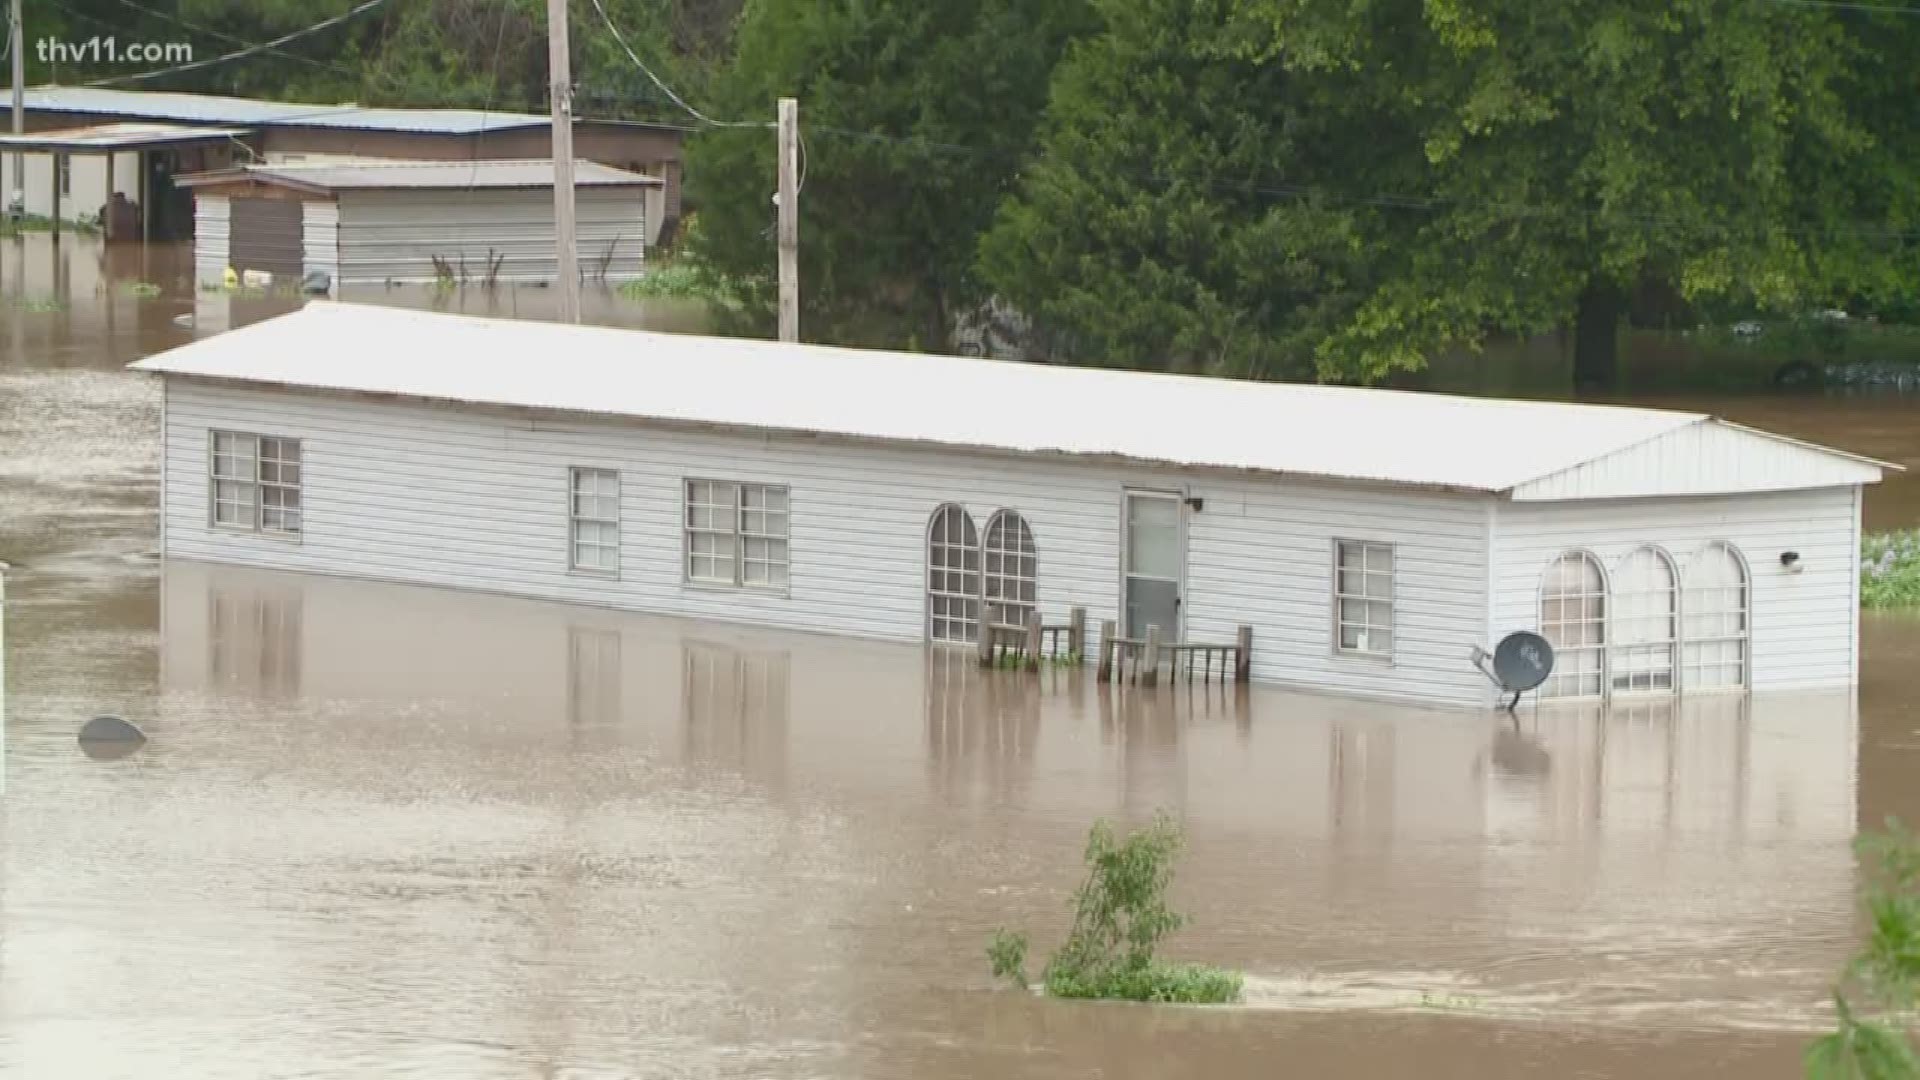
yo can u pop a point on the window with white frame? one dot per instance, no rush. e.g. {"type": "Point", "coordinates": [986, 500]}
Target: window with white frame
{"type": "Point", "coordinates": [1012, 569]}
{"type": "Point", "coordinates": [1646, 622]}
{"type": "Point", "coordinates": [254, 483]}
{"type": "Point", "coordinates": [1363, 597]}
{"type": "Point", "coordinates": [1715, 621]}
{"type": "Point", "coordinates": [953, 577]}
{"type": "Point", "coordinates": [1573, 619]}
{"type": "Point", "coordinates": [593, 520]}
{"type": "Point", "coordinates": [737, 534]}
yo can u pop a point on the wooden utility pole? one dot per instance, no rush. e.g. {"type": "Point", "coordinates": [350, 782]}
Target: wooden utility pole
{"type": "Point", "coordinates": [560, 91]}
{"type": "Point", "coordinates": [789, 134]}
{"type": "Point", "coordinates": [19, 38]}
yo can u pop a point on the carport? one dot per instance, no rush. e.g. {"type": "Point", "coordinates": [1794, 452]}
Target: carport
{"type": "Point", "coordinates": [145, 140]}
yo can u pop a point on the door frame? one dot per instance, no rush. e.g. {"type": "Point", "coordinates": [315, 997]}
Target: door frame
{"type": "Point", "coordinates": [1179, 499]}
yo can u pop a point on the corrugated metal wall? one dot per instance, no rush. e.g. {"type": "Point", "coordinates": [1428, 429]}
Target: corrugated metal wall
{"type": "Point", "coordinates": [1803, 624]}
{"type": "Point", "coordinates": [432, 496]}
{"type": "Point", "coordinates": [320, 240]}
{"type": "Point", "coordinates": [395, 235]}
{"type": "Point", "coordinates": [266, 234]}
{"type": "Point", "coordinates": [211, 225]}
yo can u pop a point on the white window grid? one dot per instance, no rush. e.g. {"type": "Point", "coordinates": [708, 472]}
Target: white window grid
{"type": "Point", "coordinates": [1573, 619]}
{"type": "Point", "coordinates": [1716, 621]}
{"type": "Point", "coordinates": [1646, 623]}
{"type": "Point", "coordinates": [953, 577]}
{"type": "Point", "coordinates": [1363, 598]}
{"type": "Point", "coordinates": [254, 483]}
{"type": "Point", "coordinates": [737, 534]}
{"type": "Point", "coordinates": [593, 520]}
{"type": "Point", "coordinates": [1012, 569]}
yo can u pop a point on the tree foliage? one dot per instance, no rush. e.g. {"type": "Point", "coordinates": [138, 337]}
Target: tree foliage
{"type": "Point", "coordinates": [1884, 977]}
{"type": "Point", "coordinates": [1427, 172]}
{"type": "Point", "coordinates": [914, 117]}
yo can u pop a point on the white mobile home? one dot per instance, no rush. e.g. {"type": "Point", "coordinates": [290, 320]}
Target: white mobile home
{"type": "Point", "coordinates": [377, 222]}
{"type": "Point", "coordinates": [1370, 538]}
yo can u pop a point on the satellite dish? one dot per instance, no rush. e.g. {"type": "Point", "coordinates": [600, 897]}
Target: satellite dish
{"type": "Point", "coordinates": [1521, 662]}
{"type": "Point", "coordinates": [104, 738]}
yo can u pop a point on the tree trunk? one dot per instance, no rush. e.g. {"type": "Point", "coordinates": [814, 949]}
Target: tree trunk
{"type": "Point", "coordinates": [1596, 338]}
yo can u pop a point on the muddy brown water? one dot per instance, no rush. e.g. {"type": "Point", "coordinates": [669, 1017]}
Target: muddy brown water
{"type": "Point", "coordinates": [384, 831]}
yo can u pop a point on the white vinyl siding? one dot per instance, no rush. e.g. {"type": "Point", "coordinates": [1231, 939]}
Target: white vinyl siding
{"type": "Point", "coordinates": [212, 224]}
{"type": "Point", "coordinates": [320, 240]}
{"type": "Point", "coordinates": [438, 496]}
{"type": "Point", "coordinates": [593, 518]}
{"type": "Point", "coordinates": [1802, 625]}
{"type": "Point", "coordinates": [1363, 598]}
{"type": "Point", "coordinates": [396, 235]}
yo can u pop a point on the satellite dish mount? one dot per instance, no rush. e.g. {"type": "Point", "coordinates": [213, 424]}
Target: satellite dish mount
{"type": "Point", "coordinates": [1521, 662]}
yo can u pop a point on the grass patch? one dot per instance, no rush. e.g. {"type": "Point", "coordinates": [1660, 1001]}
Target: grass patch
{"type": "Point", "coordinates": [1120, 918]}
{"type": "Point", "coordinates": [684, 280]}
{"type": "Point", "coordinates": [1877, 996]}
{"type": "Point", "coordinates": [1890, 569]}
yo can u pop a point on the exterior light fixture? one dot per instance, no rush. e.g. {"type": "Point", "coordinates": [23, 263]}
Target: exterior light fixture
{"type": "Point", "coordinates": [1790, 561]}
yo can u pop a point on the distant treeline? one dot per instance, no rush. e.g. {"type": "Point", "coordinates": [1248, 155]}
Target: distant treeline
{"type": "Point", "coordinates": [1269, 188]}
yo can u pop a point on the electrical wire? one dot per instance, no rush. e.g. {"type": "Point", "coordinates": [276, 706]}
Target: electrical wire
{"type": "Point", "coordinates": [328, 24]}
{"type": "Point", "coordinates": [621, 39]}
{"type": "Point", "coordinates": [229, 38]}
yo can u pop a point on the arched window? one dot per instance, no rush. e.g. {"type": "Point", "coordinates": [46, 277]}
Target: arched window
{"type": "Point", "coordinates": [1573, 617]}
{"type": "Point", "coordinates": [953, 577]}
{"type": "Point", "coordinates": [1646, 622]}
{"type": "Point", "coordinates": [1715, 626]}
{"type": "Point", "coordinates": [1012, 568]}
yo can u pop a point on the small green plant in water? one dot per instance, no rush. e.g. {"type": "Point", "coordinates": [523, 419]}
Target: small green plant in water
{"type": "Point", "coordinates": [1875, 1043]}
{"type": "Point", "coordinates": [1890, 569]}
{"type": "Point", "coordinates": [1120, 918]}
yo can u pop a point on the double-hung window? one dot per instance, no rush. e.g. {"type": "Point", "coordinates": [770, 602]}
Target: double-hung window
{"type": "Point", "coordinates": [1363, 598]}
{"type": "Point", "coordinates": [254, 483]}
{"type": "Point", "coordinates": [736, 534]}
{"type": "Point", "coordinates": [594, 521]}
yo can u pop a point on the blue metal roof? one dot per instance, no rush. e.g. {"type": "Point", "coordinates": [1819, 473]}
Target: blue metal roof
{"type": "Point", "coordinates": [213, 109]}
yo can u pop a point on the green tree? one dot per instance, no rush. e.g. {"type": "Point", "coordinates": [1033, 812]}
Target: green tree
{"type": "Point", "coordinates": [914, 117]}
{"type": "Point", "coordinates": [1440, 170]}
{"type": "Point", "coordinates": [1879, 992]}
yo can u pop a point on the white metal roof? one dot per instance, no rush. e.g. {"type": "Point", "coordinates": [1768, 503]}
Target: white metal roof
{"type": "Point", "coordinates": [1476, 444]}
{"type": "Point", "coordinates": [118, 136]}
{"type": "Point", "coordinates": [339, 175]}
{"type": "Point", "coordinates": [213, 109]}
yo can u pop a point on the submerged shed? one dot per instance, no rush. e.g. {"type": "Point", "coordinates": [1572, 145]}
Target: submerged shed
{"type": "Point", "coordinates": [374, 222]}
{"type": "Point", "coordinates": [1371, 539]}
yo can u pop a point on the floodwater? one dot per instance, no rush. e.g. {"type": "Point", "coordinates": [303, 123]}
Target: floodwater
{"type": "Point", "coordinates": [395, 832]}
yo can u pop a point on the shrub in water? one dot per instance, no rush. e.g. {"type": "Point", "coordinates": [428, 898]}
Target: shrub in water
{"type": "Point", "coordinates": [1890, 569]}
{"type": "Point", "coordinates": [1885, 975]}
{"type": "Point", "coordinates": [1120, 917]}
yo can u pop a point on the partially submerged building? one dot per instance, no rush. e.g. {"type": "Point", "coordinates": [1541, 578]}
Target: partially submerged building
{"type": "Point", "coordinates": [1372, 539]}
{"type": "Point", "coordinates": [71, 166]}
{"type": "Point", "coordinates": [374, 222]}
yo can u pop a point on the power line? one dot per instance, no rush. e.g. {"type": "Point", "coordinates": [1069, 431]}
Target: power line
{"type": "Point", "coordinates": [1851, 5]}
{"type": "Point", "coordinates": [367, 5]}
{"type": "Point", "coordinates": [198, 28]}
{"type": "Point", "coordinates": [664, 88]}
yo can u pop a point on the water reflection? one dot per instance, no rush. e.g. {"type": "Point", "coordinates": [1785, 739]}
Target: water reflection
{"type": "Point", "coordinates": [734, 709]}
{"type": "Point", "coordinates": [253, 639]}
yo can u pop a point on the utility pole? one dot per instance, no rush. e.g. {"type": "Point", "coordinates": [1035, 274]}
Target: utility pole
{"type": "Point", "coordinates": [789, 200]}
{"type": "Point", "coordinates": [18, 36]}
{"type": "Point", "coordinates": [560, 91]}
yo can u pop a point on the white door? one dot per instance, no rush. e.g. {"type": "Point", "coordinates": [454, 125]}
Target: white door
{"type": "Point", "coordinates": [1153, 564]}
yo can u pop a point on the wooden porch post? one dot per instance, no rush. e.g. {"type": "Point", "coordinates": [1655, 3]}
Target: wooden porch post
{"type": "Point", "coordinates": [1149, 672]}
{"type": "Point", "coordinates": [1243, 658]}
{"type": "Point", "coordinates": [1106, 650]}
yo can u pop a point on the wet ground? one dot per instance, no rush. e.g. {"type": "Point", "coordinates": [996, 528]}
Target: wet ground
{"type": "Point", "coordinates": [395, 832]}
